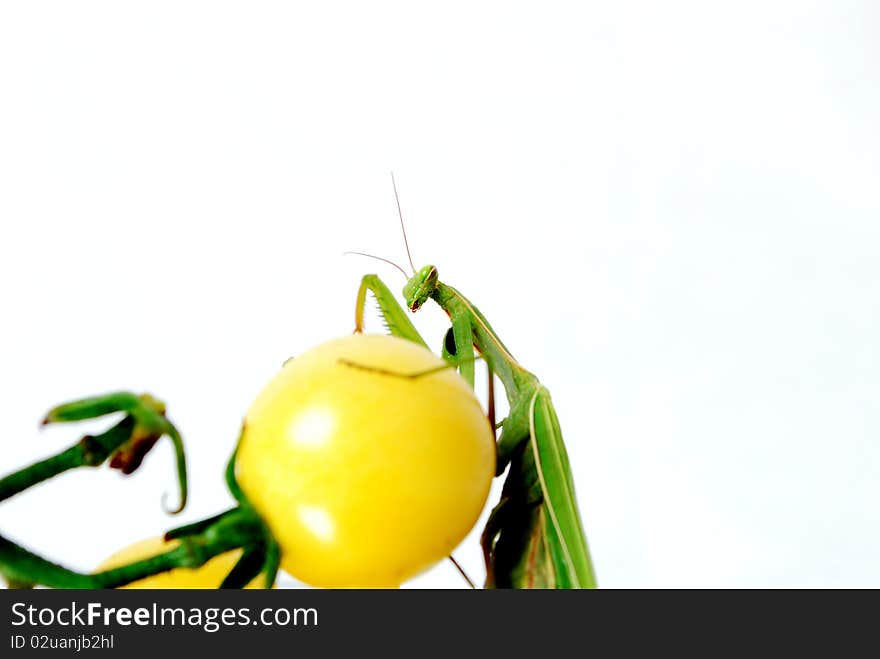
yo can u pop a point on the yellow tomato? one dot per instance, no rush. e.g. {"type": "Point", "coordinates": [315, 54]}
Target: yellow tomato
{"type": "Point", "coordinates": [209, 575]}
{"type": "Point", "coordinates": [366, 478]}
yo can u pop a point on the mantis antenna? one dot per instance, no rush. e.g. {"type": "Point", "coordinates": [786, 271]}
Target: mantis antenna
{"type": "Point", "coordinates": [378, 258]}
{"type": "Point", "coordinates": [402, 227]}
{"type": "Point", "coordinates": [405, 239]}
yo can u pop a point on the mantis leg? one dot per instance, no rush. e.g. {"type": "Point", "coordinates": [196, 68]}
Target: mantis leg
{"type": "Point", "coordinates": [450, 354]}
{"type": "Point", "coordinates": [490, 400]}
{"type": "Point", "coordinates": [458, 346]}
{"type": "Point", "coordinates": [515, 541]}
{"type": "Point", "coordinates": [393, 314]}
{"type": "Point", "coordinates": [488, 539]}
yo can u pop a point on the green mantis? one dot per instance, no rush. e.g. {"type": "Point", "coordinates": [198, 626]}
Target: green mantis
{"type": "Point", "coordinates": [534, 537]}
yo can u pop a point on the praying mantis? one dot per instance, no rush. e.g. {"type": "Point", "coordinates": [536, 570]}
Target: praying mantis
{"type": "Point", "coordinates": [534, 537]}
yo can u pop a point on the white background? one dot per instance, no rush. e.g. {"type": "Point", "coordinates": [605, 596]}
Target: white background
{"type": "Point", "coordinates": [669, 212]}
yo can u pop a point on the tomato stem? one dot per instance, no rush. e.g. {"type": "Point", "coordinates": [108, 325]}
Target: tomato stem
{"type": "Point", "coordinates": [125, 444]}
{"type": "Point", "coordinates": [88, 452]}
{"type": "Point", "coordinates": [240, 527]}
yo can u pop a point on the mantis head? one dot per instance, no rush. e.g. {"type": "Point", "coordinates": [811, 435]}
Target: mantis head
{"type": "Point", "coordinates": [420, 287]}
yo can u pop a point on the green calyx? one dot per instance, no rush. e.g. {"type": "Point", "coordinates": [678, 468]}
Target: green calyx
{"type": "Point", "coordinates": [146, 423]}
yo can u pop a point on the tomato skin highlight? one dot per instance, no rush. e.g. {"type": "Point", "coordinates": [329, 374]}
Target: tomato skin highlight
{"type": "Point", "coordinates": [208, 576]}
{"type": "Point", "coordinates": [364, 477]}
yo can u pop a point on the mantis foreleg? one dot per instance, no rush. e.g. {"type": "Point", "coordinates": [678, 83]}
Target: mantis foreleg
{"type": "Point", "coordinates": [396, 320]}
{"type": "Point", "coordinates": [464, 346]}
